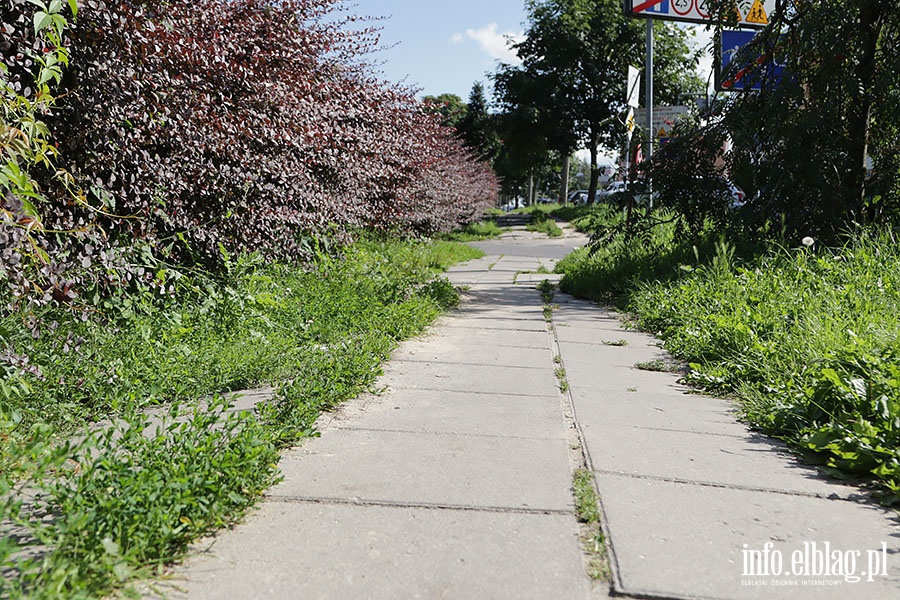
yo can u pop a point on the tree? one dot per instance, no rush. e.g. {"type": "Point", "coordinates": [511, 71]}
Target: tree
{"type": "Point", "coordinates": [575, 58]}
{"type": "Point", "coordinates": [478, 128]}
{"type": "Point", "coordinates": [450, 107]}
{"type": "Point", "coordinates": [530, 139]}
{"type": "Point", "coordinates": [820, 144]}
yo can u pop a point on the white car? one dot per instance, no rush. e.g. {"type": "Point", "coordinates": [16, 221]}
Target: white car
{"type": "Point", "coordinates": [513, 205]}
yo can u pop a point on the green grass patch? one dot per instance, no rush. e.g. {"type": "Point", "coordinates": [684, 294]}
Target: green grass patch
{"type": "Point", "coordinates": [124, 499]}
{"type": "Point", "coordinates": [482, 230]}
{"type": "Point", "coordinates": [610, 272]}
{"type": "Point", "coordinates": [806, 341]}
{"type": "Point", "coordinates": [542, 222]}
{"type": "Point", "coordinates": [659, 365]}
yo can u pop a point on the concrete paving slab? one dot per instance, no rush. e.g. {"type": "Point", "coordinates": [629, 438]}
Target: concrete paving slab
{"type": "Point", "coordinates": [510, 313]}
{"type": "Point", "coordinates": [433, 469]}
{"type": "Point", "coordinates": [292, 551]}
{"type": "Point", "coordinates": [677, 540]}
{"type": "Point", "coordinates": [462, 377]}
{"type": "Point", "coordinates": [752, 461]}
{"type": "Point", "coordinates": [505, 297]}
{"type": "Point", "coordinates": [453, 349]}
{"type": "Point", "coordinates": [427, 411]}
{"type": "Point", "coordinates": [637, 407]}
{"type": "Point", "coordinates": [604, 361]}
{"type": "Point", "coordinates": [514, 265]}
{"type": "Point", "coordinates": [496, 337]}
{"type": "Point", "coordinates": [602, 331]}
{"type": "Point", "coordinates": [535, 323]}
{"type": "Point", "coordinates": [524, 247]}
{"type": "Point", "coordinates": [535, 279]}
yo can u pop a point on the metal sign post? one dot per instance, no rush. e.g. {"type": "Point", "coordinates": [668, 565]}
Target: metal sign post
{"type": "Point", "coordinates": [648, 83]}
{"type": "Point", "coordinates": [649, 100]}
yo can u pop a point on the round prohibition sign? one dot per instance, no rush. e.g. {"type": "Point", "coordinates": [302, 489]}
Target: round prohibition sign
{"type": "Point", "coordinates": [703, 8]}
{"type": "Point", "coordinates": [683, 7]}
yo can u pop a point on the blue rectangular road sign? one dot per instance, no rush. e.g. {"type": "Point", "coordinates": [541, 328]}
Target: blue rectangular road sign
{"type": "Point", "coordinates": [755, 73]}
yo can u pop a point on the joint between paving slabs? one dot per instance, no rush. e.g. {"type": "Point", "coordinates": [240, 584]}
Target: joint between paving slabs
{"type": "Point", "coordinates": [862, 498]}
{"type": "Point", "coordinates": [588, 509]}
{"type": "Point", "coordinates": [522, 510]}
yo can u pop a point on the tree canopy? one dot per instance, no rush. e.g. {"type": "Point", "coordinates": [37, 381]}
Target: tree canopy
{"type": "Point", "coordinates": [570, 87]}
{"type": "Point", "coordinates": [819, 143]}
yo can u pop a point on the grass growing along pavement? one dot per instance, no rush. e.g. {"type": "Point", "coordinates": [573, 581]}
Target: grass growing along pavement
{"type": "Point", "coordinates": [805, 339]}
{"type": "Point", "coordinates": [541, 222]}
{"type": "Point", "coordinates": [587, 509]}
{"type": "Point", "coordinates": [114, 503]}
{"type": "Point", "coordinates": [473, 232]}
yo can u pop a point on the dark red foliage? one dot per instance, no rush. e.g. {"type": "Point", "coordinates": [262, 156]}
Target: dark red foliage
{"type": "Point", "coordinates": [244, 125]}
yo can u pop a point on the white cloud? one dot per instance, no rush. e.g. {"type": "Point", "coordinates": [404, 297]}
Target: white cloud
{"type": "Point", "coordinates": [491, 41]}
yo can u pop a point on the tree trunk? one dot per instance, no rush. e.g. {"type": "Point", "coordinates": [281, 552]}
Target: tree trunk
{"type": "Point", "coordinates": [595, 175]}
{"type": "Point", "coordinates": [871, 23]}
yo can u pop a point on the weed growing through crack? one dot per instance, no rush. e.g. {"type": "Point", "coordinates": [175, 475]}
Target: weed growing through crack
{"type": "Point", "coordinates": [561, 377]}
{"type": "Point", "coordinates": [547, 290]}
{"type": "Point", "coordinates": [587, 510]}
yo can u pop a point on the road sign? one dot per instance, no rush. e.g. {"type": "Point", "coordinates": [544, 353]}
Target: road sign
{"type": "Point", "coordinates": [752, 13]}
{"type": "Point", "coordinates": [632, 86]}
{"type": "Point", "coordinates": [663, 119]}
{"type": "Point", "coordinates": [755, 72]}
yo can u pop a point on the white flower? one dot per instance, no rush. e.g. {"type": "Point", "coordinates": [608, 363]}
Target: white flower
{"type": "Point", "coordinates": [807, 241]}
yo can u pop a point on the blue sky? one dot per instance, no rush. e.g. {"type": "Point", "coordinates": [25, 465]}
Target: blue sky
{"type": "Point", "coordinates": [444, 47]}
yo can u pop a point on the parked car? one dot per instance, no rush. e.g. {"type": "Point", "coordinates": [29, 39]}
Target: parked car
{"type": "Point", "coordinates": [578, 197]}
{"type": "Point", "coordinates": [513, 205]}
{"type": "Point", "coordinates": [609, 193]}
{"type": "Point", "coordinates": [717, 187]}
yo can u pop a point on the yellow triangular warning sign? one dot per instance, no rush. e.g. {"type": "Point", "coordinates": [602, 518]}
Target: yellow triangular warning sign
{"type": "Point", "coordinates": [662, 132]}
{"type": "Point", "coordinates": [757, 14]}
{"type": "Point", "coordinates": [737, 11]}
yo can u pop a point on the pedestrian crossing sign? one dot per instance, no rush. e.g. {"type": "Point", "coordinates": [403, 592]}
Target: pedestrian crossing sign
{"type": "Point", "coordinates": [757, 14]}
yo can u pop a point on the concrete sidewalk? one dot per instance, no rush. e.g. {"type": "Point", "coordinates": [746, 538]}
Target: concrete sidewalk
{"type": "Point", "coordinates": [456, 481]}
